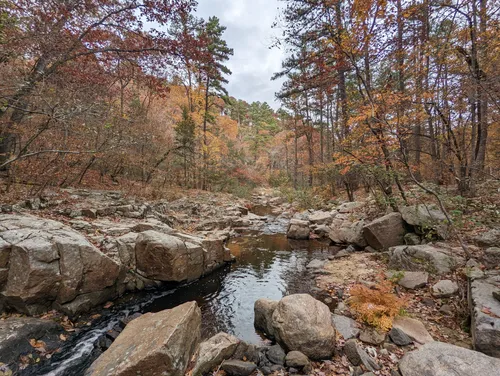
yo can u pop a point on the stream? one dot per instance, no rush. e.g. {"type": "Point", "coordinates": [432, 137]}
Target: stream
{"type": "Point", "coordinates": [268, 265]}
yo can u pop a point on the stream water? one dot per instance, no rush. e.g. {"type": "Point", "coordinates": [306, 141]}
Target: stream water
{"type": "Point", "coordinates": [268, 265]}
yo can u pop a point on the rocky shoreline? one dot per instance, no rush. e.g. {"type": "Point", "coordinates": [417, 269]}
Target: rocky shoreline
{"type": "Point", "coordinates": [87, 248]}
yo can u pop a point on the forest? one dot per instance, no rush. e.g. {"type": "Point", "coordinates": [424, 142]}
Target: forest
{"type": "Point", "coordinates": [375, 94]}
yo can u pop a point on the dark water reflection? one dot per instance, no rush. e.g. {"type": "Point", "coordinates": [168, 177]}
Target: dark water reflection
{"type": "Point", "coordinates": [267, 266]}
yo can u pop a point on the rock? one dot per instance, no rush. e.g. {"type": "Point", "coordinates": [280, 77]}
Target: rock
{"type": "Point", "coordinates": [315, 264]}
{"type": "Point", "coordinates": [442, 359]}
{"type": "Point", "coordinates": [371, 336]}
{"type": "Point", "coordinates": [423, 258]}
{"type": "Point", "coordinates": [446, 310]}
{"type": "Point", "coordinates": [414, 280]}
{"type": "Point", "coordinates": [238, 367]}
{"type": "Point", "coordinates": [126, 320]}
{"type": "Point", "coordinates": [346, 326]}
{"type": "Point", "coordinates": [303, 323]}
{"type": "Point", "coordinates": [444, 289]}
{"type": "Point", "coordinates": [320, 218]}
{"type": "Point", "coordinates": [263, 311]}
{"type": "Point", "coordinates": [50, 264]}
{"type": "Point", "coordinates": [413, 328]}
{"type": "Point", "coordinates": [276, 355]}
{"type": "Point", "coordinates": [357, 356]}
{"type": "Point", "coordinates": [165, 257]}
{"type": "Point", "coordinates": [350, 207]}
{"type": "Point", "coordinates": [385, 232]}
{"type": "Point", "coordinates": [412, 239]}
{"type": "Point", "coordinates": [496, 295]}
{"type": "Point", "coordinates": [489, 238]}
{"type": "Point", "coordinates": [296, 359]}
{"type": "Point", "coordinates": [89, 213]}
{"type": "Point", "coordinates": [492, 257]}
{"type": "Point", "coordinates": [399, 337]}
{"type": "Point", "coordinates": [427, 220]}
{"type": "Point", "coordinates": [346, 232]}
{"type": "Point", "coordinates": [153, 344]}
{"type": "Point", "coordinates": [485, 327]}
{"type": "Point", "coordinates": [15, 334]}
{"type": "Point", "coordinates": [298, 229]}
{"type": "Point", "coordinates": [213, 351]}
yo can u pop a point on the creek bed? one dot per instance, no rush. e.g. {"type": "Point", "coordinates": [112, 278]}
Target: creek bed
{"type": "Point", "coordinates": [266, 266]}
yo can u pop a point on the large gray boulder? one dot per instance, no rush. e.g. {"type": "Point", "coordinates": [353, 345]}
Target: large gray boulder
{"type": "Point", "coordinates": [424, 257]}
{"type": "Point", "coordinates": [154, 344]}
{"type": "Point", "coordinates": [485, 313]}
{"type": "Point", "coordinates": [263, 314]}
{"type": "Point", "coordinates": [214, 351]}
{"type": "Point", "coordinates": [427, 220]}
{"type": "Point", "coordinates": [45, 263]}
{"type": "Point", "coordinates": [298, 229]}
{"type": "Point", "coordinates": [347, 232]}
{"type": "Point", "coordinates": [385, 232]}
{"type": "Point", "coordinates": [489, 238]}
{"type": "Point", "coordinates": [304, 324]}
{"type": "Point", "coordinates": [166, 257]}
{"type": "Point", "coordinates": [442, 359]}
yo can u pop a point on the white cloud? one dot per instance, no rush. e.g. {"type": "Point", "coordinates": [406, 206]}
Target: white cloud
{"type": "Point", "coordinates": [250, 34]}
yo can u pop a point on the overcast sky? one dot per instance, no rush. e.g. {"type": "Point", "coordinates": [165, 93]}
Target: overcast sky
{"type": "Point", "coordinates": [250, 34]}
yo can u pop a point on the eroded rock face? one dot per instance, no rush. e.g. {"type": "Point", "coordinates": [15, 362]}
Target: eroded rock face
{"type": "Point", "coordinates": [49, 263]}
{"type": "Point", "coordinates": [485, 326]}
{"type": "Point", "coordinates": [442, 359]}
{"type": "Point", "coordinates": [304, 324]}
{"type": "Point", "coordinates": [385, 232]}
{"type": "Point", "coordinates": [424, 258]}
{"type": "Point", "coordinates": [154, 344]}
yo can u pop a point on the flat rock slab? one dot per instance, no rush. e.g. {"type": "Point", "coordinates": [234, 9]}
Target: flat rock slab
{"type": "Point", "coordinates": [346, 326]}
{"type": "Point", "coordinates": [410, 280]}
{"type": "Point", "coordinates": [442, 359]}
{"type": "Point", "coordinates": [428, 258]}
{"type": "Point", "coordinates": [413, 328]}
{"type": "Point", "coordinates": [444, 289]}
{"type": "Point", "coordinates": [485, 313]}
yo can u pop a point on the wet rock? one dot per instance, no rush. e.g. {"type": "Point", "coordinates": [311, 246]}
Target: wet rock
{"type": "Point", "coordinates": [213, 351]}
{"type": "Point", "coordinates": [298, 229]}
{"type": "Point", "coordinates": [126, 320]}
{"type": "Point", "coordinates": [303, 323]}
{"type": "Point", "coordinates": [424, 258]}
{"type": "Point", "coordinates": [263, 313]}
{"type": "Point", "coordinates": [276, 355]}
{"type": "Point", "coordinates": [15, 334]}
{"type": "Point", "coordinates": [485, 326]}
{"type": "Point", "coordinates": [238, 367]}
{"type": "Point", "coordinates": [167, 258]}
{"type": "Point", "coordinates": [427, 220]}
{"type": "Point", "coordinates": [357, 356]}
{"type": "Point", "coordinates": [385, 232]}
{"type": "Point", "coordinates": [444, 289]}
{"type": "Point", "coordinates": [371, 336]}
{"type": "Point", "coordinates": [489, 238]}
{"type": "Point", "coordinates": [315, 264]}
{"type": "Point", "coordinates": [413, 328]}
{"type": "Point", "coordinates": [414, 280]}
{"type": "Point", "coordinates": [346, 326]}
{"type": "Point", "coordinates": [443, 359]}
{"type": "Point", "coordinates": [399, 337]}
{"type": "Point", "coordinates": [153, 344]}
{"type": "Point", "coordinates": [412, 239]}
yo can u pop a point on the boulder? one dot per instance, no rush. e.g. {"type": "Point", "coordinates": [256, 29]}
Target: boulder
{"type": "Point", "coordinates": [444, 289]}
{"type": "Point", "coordinates": [427, 220]}
{"type": "Point", "coordinates": [276, 355]}
{"type": "Point", "coordinates": [303, 323]}
{"type": "Point", "coordinates": [413, 329]}
{"type": "Point", "coordinates": [357, 356]}
{"type": "Point", "coordinates": [412, 239]}
{"type": "Point", "coordinates": [385, 232]}
{"type": "Point", "coordinates": [413, 280]}
{"type": "Point", "coordinates": [296, 359]}
{"type": "Point", "coordinates": [492, 257]}
{"type": "Point", "coordinates": [346, 326]}
{"type": "Point", "coordinates": [346, 232]}
{"type": "Point", "coordinates": [485, 313]}
{"type": "Point", "coordinates": [298, 229]}
{"type": "Point", "coordinates": [154, 344]}
{"type": "Point", "coordinates": [214, 351]}
{"type": "Point", "coordinates": [263, 312]}
{"type": "Point", "coordinates": [15, 334]}
{"type": "Point", "coordinates": [165, 257]}
{"type": "Point", "coordinates": [238, 367]}
{"type": "Point", "coordinates": [320, 218]}
{"type": "Point", "coordinates": [49, 263]}
{"type": "Point", "coordinates": [489, 238]}
{"type": "Point", "coordinates": [350, 207]}
{"type": "Point", "coordinates": [399, 337]}
{"type": "Point", "coordinates": [424, 258]}
{"type": "Point", "coordinates": [443, 359]}
{"type": "Point", "coordinates": [371, 336]}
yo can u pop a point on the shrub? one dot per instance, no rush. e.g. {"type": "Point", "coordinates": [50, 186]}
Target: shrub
{"type": "Point", "coordinates": [376, 306]}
